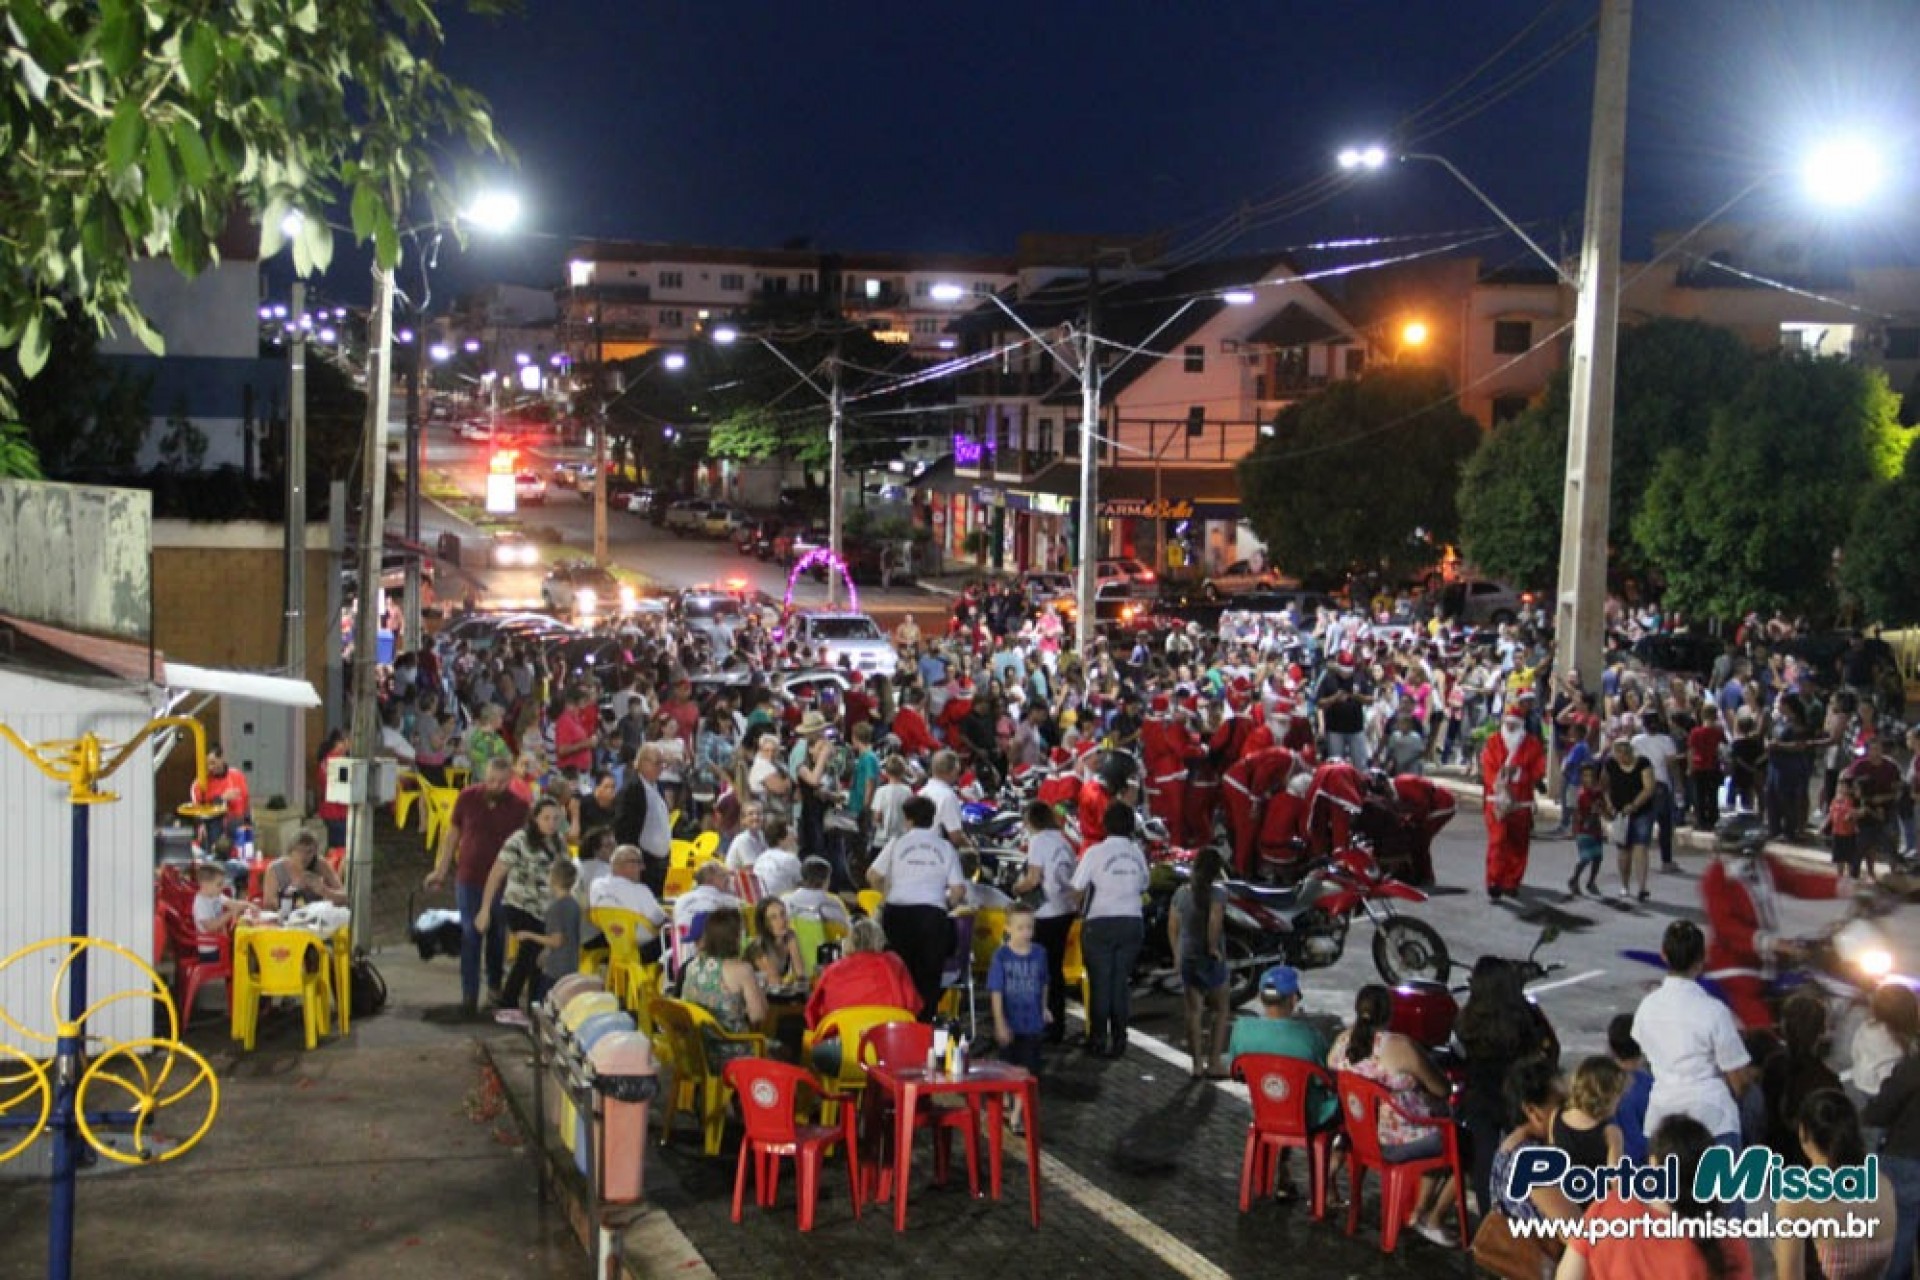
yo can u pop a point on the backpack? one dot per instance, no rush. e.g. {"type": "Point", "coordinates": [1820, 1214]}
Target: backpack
{"type": "Point", "coordinates": [366, 989]}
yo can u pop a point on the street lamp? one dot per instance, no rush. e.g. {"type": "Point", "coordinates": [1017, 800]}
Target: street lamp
{"type": "Point", "coordinates": [726, 335]}
{"type": "Point", "coordinates": [1087, 372]}
{"type": "Point", "coordinates": [1371, 158]}
{"type": "Point", "coordinates": [1844, 172]}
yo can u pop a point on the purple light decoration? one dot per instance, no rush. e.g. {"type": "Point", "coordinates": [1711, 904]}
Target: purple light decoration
{"type": "Point", "coordinates": [819, 555]}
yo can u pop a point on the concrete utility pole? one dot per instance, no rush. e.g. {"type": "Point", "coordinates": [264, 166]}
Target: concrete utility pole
{"type": "Point", "coordinates": [415, 633]}
{"type": "Point", "coordinates": [1089, 469]}
{"type": "Point", "coordinates": [366, 630]}
{"type": "Point", "coordinates": [836, 499]}
{"type": "Point", "coordinates": [600, 552]}
{"type": "Point", "coordinates": [1580, 614]}
{"type": "Point", "coordinates": [294, 646]}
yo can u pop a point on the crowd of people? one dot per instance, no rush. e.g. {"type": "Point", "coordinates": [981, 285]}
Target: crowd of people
{"type": "Point", "coordinates": [860, 783]}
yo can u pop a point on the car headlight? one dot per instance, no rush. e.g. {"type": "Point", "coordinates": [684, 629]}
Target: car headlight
{"type": "Point", "coordinates": [529, 557]}
{"type": "Point", "coordinates": [628, 599]}
{"type": "Point", "coordinates": [585, 600]}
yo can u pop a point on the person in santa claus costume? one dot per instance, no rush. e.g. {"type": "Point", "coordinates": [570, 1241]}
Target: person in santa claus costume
{"type": "Point", "coordinates": [1253, 785]}
{"type": "Point", "coordinates": [1741, 892]}
{"type": "Point", "coordinates": [1201, 718]}
{"type": "Point", "coordinates": [1168, 749]}
{"type": "Point", "coordinates": [1512, 765]}
{"type": "Point", "coordinates": [1425, 807]}
{"type": "Point", "coordinates": [1335, 795]}
{"type": "Point", "coordinates": [1090, 806]}
{"type": "Point", "coordinates": [958, 707]}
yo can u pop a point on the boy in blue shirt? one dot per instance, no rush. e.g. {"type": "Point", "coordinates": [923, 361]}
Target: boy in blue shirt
{"type": "Point", "coordinates": [1631, 1111]}
{"type": "Point", "coordinates": [1017, 984]}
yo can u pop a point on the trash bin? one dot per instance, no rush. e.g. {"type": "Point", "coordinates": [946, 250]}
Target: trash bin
{"type": "Point", "coordinates": [448, 548]}
{"type": "Point", "coordinates": [572, 985]}
{"type": "Point", "coordinates": [626, 1079]}
{"type": "Point", "coordinates": [573, 1124]}
{"type": "Point", "coordinates": [586, 1005]}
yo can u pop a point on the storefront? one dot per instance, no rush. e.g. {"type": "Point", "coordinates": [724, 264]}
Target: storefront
{"type": "Point", "coordinates": [1176, 520]}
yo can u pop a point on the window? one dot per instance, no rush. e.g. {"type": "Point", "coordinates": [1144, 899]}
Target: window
{"type": "Point", "coordinates": [1903, 344]}
{"type": "Point", "coordinates": [1045, 444]}
{"type": "Point", "coordinates": [670, 318]}
{"type": "Point", "coordinates": [732, 281]}
{"type": "Point", "coordinates": [805, 284]}
{"type": "Point", "coordinates": [1196, 421]}
{"type": "Point", "coordinates": [926, 326]}
{"type": "Point", "coordinates": [1511, 337]}
{"type": "Point", "coordinates": [1072, 439]}
{"type": "Point", "coordinates": [872, 287]}
{"type": "Point", "coordinates": [1196, 358]}
{"type": "Point", "coordinates": [670, 280]}
{"type": "Point", "coordinates": [1506, 408]}
{"type": "Point", "coordinates": [921, 288]}
{"type": "Point", "coordinates": [773, 284]}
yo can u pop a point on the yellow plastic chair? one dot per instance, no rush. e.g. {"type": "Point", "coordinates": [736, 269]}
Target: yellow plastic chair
{"type": "Point", "coordinates": [624, 931]}
{"type": "Point", "coordinates": [680, 1032]}
{"type": "Point", "coordinates": [871, 901]}
{"type": "Point", "coordinates": [406, 790]}
{"type": "Point", "coordinates": [647, 987]}
{"type": "Point", "coordinates": [849, 1026]}
{"type": "Point", "coordinates": [989, 931]}
{"type": "Point", "coordinates": [439, 806]}
{"type": "Point", "coordinates": [680, 855]}
{"type": "Point", "coordinates": [458, 776]}
{"type": "Point", "coordinates": [287, 963]}
{"type": "Point", "coordinates": [1073, 966]}
{"type": "Point", "coordinates": [679, 880]}
{"type": "Point", "coordinates": [706, 847]}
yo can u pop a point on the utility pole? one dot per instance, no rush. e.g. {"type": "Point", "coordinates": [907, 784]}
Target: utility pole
{"type": "Point", "coordinates": [600, 551]}
{"type": "Point", "coordinates": [416, 442]}
{"type": "Point", "coordinates": [366, 630]}
{"type": "Point", "coordinates": [294, 647]}
{"type": "Point", "coordinates": [1089, 469]}
{"type": "Point", "coordinates": [836, 500]}
{"type": "Point", "coordinates": [1580, 614]}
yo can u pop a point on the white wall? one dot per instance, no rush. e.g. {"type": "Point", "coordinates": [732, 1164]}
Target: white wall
{"type": "Point", "coordinates": [36, 857]}
{"type": "Point", "coordinates": [217, 313]}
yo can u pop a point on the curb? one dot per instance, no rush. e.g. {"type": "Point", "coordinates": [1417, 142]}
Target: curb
{"type": "Point", "coordinates": [1684, 837]}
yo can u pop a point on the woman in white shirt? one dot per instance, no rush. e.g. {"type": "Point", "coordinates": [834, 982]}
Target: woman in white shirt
{"type": "Point", "coordinates": [1111, 877]}
{"type": "Point", "coordinates": [1050, 867]}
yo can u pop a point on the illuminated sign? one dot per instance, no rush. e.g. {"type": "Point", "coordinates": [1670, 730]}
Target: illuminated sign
{"type": "Point", "coordinates": [1146, 509]}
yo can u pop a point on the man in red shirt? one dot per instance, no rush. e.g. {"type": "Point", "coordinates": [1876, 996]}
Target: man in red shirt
{"type": "Point", "coordinates": [1254, 784]}
{"type": "Point", "coordinates": [910, 726]}
{"type": "Point", "coordinates": [680, 708]}
{"type": "Point", "coordinates": [576, 733]}
{"type": "Point", "coordinates": [1876, 780]}
{"type": "Point", "coordinates": [483, 817]}
{"type": "Point", "coordinates": [225, 785]}
{"type": "Point", "coordinates": [1704, 742]}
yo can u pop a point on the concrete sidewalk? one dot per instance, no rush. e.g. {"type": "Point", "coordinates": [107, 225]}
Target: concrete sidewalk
{"type": "Point", "coordinates": [390, 1152]}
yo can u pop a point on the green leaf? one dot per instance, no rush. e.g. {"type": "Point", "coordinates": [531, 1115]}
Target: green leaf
{"type": "Point", "coordinates": [196, 165]}
{"type": "Point", "coordinates": [162, 187]}
{"type": "Point", "coordinates": [118, 40]}
{"type": "Point", "coordinates": [125, 134]}
{"type": "Point", "coordinates": [149, 336]}
{"type": "Point", "coordinates": [200, 56]}
{"type": "Point", "coordinates": [318, 238]}
{"type": "Point", "coordinates": [386, 241]}
{"type": "Point", "coordinates": [306, 18]}
{"type": "Point", "coordinates": [34, 344]}
{"type": "Point", "coordinates": [366, 210]}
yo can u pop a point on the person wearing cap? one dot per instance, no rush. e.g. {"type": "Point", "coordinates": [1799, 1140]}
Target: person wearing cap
{"type": "Point", "coordinates": [1512, 765]}
{"type": "Point", "coordinates": [1282, 1031]}
{"type": "Point", "coordinates": [910, 726]}
{"type": "Point", "coordinates": [1342, 697]}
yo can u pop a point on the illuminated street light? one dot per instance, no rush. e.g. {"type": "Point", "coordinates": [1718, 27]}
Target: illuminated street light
{"type": "Point", "coordinates": [1845, 172]}
{"type": "Point", "coordinates": [470, 346]}
{"type": "Point", "coordinates": [674, 360]}
{"type": "Point", "coordinates": [726, 335]}
{"type": "Point", "coordinates": [1375, 156]}
{"type": "Point", "coordinates": [440, 353]}
{"type": "Point", "coordinates": [1414, 334]}
{"type": "Point", "coordinates": [1370, 157]}
{"type": "Point", "coordinates": [493, 211]}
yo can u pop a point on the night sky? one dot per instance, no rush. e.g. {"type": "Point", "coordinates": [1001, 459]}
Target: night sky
{"type": "Point", "coordinates": [913, 126]}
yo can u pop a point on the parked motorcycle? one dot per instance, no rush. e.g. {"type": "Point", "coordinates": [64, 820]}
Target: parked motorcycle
{"type": "Point", "coordinates": [1426, 1012]}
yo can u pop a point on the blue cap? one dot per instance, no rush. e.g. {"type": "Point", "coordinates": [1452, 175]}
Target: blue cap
{"type": "Point", "coordinates": [1279, 982]}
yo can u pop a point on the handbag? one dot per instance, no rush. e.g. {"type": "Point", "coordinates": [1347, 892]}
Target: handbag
{"type": "Point", "coordinates": [1618, 828]}
{"type": "Point", "coordinates": [1498, 1250]}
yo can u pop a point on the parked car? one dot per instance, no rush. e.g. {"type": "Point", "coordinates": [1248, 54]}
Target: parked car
{"type": "Point", "coordinates": [689, 515]}
{"type": "Point", "coordinates": [1128, 571]}
{"type": "Point", "coordinates": [511, 550]}
{"type": "Point", "coordinates": [574, 475]}
{"type": "Point", "coordinates": [723, 521]}
{"type": "Point", "coordinates": [474, 429]}
{"type": "Point", "coordinates": [1042, 588]}
{"type": "Point", "coordinates": [1477, 602]}
{"type": "Point", "coordinates": [713, 613]}
{"type": "Point", "coordinates": [529, 489]}
{"type": "Point", "coordinates": [642, 500]}
{"type": "Point", "coordinates": [585, 590]}
{"type": "Point", "coordinates": [1240, 577]}
{"type": "Point", "coordinates": [854, 636]}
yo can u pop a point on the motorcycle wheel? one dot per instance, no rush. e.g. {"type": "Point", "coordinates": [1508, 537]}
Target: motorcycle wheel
{"type": "Point", "coordinates": [1405, 949]}
{"type": "Point", "coordinates": [1243, 977]}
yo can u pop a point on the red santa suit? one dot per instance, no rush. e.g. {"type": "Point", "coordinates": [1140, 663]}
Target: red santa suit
{"type": "Point", "coordinates": [1091, 807]}
{"type": "Point", "coordinates": [1252, 784]}
{"type": "Point", "coordinates": [1334, 797]}
{"type": "Point", "coordinates": [911, 728]}
{"type": "Point", "coordinates": [959, 707]}
{"type": "Point", "coordinates": [1167, 748]}
{"type": "Point", "coordinates": [1743, 923]}
{"type": "Point", "coordinates": [1508, 777]}
{"type": "Point", "coordinates": [1425, 806]}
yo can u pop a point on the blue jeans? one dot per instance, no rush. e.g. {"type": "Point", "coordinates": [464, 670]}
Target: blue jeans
{"type": "Point", "coordinates": [467, 898]}
{"type": "Point", "coordinates": [1904, 1173]}
{"type": "Point", "coordinates": [1351, 747]}
{"type": "Point", "coordinates": [1110, 945]}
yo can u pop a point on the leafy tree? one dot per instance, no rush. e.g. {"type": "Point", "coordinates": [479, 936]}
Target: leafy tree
{"type": "Point", "coordinates": [1670, 375]}
{"type": "Point", "coordinates": [183, 446]}
{"type": "Point", "coordinates": [1753, 520]}
{"type": "Point", "coordinates": [18, 461]}
{"type": "Point", "coordinates": [1882, 562]}
{"type": "Point", "coordinates": [135, 128]}
{"type": "Point", "coordinates": [1359, 473]}
{"type": "Point", "coordinates": [83, 413]}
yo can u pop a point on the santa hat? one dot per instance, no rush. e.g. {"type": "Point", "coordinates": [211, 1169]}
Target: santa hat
{"type": "Point", "coordinates": [1159, 705]}
{"type": "Point", "coordinates": [1241, 686]}
{"type": "Point", "coordinates": [1059, 757]}
{"type": "Point", "coordinates": [1082, 749]}
{"type": "Point", "coordinates": [1281, 707]}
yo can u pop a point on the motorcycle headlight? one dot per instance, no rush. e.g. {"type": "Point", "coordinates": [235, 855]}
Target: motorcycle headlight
{"type": "Point", "coordinates": [1876, 963]}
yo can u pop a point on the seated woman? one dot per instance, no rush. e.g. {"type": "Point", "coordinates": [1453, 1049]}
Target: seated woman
{"type": "Point", "coordinates": [775, 949]}
{"type": "Point", "coordinates": [1367, 1048]}
{"type": "Point", "coordinates": [868, 974]}
{"type": "Point", "coordinates": [1830, 1136]}
{"type": "Point", "coordinates": [723, 984]}
{"type": "Point", "coordinates": [1638, 1253]}
{"type": "Point", "coordinates": [301, 877]}
{"type": "Point", "coordinates": [1533, 1102]}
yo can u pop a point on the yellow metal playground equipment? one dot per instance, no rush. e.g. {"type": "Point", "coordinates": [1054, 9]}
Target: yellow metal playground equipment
{"type": "Point", "coordinates": [109, 1095]}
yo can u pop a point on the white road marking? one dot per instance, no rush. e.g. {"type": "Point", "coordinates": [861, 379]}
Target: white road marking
{"type": "Point", "coordinates": [1588, 976]}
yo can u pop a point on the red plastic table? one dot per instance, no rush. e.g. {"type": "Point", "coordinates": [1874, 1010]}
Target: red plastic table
{"type": "Point", "coordinates": [991, 1080]}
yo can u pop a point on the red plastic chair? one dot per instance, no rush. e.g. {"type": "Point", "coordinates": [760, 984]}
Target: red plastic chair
{"type": "Point", "coordinates": [189, 970]}
{"type": "Point", "coordinates": [897, 1045]}
{"type": "Point", "coordinates": [1361, 1102]}
{"type": "Point", "coordinates": [768, 1093]}
{"type": "Point", "coordinates": [1279, 1088]}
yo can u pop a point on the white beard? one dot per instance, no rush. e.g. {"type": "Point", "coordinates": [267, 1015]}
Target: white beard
{"type": "Point", "coordinates": [1512, 737]}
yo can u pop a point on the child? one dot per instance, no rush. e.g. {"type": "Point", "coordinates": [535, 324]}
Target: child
{"type": "Point", "coordinates": [1843, 822]}
{"type": "Point", "coordinates": [1583, 1126]}
{"type": "Point", "coordinates": [1017, 979]}
{"type": "Point", "coordinates": [888, 819]}
{"type": "Point", "coordinates": [560, 944]}
{"type": "Point", "coordinates": [1589, 829]}
{"type": "Point", "coordinates": [1630, 1112]}
{"type": "Point", "coordinates": [213, 911]}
